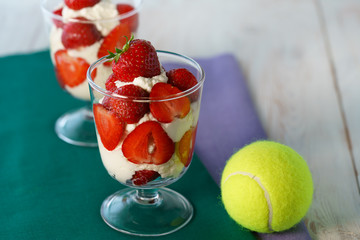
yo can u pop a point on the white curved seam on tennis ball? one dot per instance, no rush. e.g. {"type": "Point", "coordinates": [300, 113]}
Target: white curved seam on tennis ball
{"type": "Point", "coordinates": [267, 196]}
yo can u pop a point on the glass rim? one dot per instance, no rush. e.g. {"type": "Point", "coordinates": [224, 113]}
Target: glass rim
{"type": "Point", "coordinates": [147, 99]}
{"type": "Point", "coordinates": [137, 6]}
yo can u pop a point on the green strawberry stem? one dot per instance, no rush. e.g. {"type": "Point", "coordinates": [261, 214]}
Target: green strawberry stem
{"type": "Point", "coordinates": [118, 51]}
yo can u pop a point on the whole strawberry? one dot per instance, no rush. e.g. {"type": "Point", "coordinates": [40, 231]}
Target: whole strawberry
{"type": "Point", "coordinates": [137, 58]}
{"type": "Point", "coordinates": [79, 34]}
{"type": "Point", "coordinates": [128, 110]}
{"type": "Point", "coordinates": [79, 4]}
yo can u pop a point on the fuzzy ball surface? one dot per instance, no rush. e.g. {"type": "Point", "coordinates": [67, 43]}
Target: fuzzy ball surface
{"type": "Point", "coordinates": [266, 187]}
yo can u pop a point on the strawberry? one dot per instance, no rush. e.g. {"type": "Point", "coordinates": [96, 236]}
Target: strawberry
{"type": "Point", "coordinates": [115, 39]}
{"type": "Point", "coordinates": [110, 83]}
{"type": "Point", "coordinates": [142, 177]}
{"type": "Point", "coordinates": [79, 34]}
{"type": "Point", "coordinates": [166, 111]}
{"type": "Point", "coordinates": [133, 20]}
{"type": "Point", "coordinates": [185, 147]}
{"type": "Point", "coordinates": [79, 4]}
{"type": "Point", "coordinates": [148, 143]}
{"type": "Point", "coordinates": [181, 78]}
{"type": "Point", "coordinates": [58, 23]}
{"type": "Point", "coordinates": [137, 58]}
{"type": "Point", "coordinates": [70, 71]}
{"type": "Point", "coordinates": [110, 128]}
{"type": "Point", "coordinates": [127, 110]}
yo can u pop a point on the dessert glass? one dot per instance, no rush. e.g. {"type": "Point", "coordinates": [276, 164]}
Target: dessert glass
{"type": "Point", "coordinates": [149, 209]}
{"type": "Point", "coordinates": [77, 126]}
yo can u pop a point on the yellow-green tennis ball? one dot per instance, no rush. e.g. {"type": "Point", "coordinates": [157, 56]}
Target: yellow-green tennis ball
{"type": "Point", "coordinates": [266, 187]}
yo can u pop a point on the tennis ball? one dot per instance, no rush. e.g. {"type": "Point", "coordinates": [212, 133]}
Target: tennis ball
{"type": "Point", "coordinates": [266, 187]}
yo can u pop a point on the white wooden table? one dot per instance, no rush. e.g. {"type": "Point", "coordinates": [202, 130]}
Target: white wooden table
{"type": "Point", "coordinates": [301, 59]}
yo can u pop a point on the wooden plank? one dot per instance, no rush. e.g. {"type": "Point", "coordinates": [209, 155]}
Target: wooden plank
{"type": "Point", "coordinates": [343, 37]}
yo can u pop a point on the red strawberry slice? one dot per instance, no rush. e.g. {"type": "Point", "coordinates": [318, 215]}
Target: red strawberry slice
{"type": "Point", "coordinates": [148, 143]}
{"type": "Point", "coordinates": [185, 147]}
{"type": "Point", "coordinates": [166, 111]}
{"type": "Point", "coordinates": [109, 126]}
{"type": "Point", "coordinates": [110, 83]}
{"type": "Point", "coordinates": [58, 23]}
{"type": "Point", "coordinates": [79, 4]}
{"type": "Point", "coordinates": [181, 78]}
{"type": "Point", "coordinates": [138, 58]}
{"type": "Point", "coordinates": [70, 71]}
{"type": "Point", "coordinates": [115, 39]}
{"type": "Point", "coordinates": [142, 177]}
{"type": "Point", "coordinates": [133, 20]}
{"type": "Point", "coordinates": [79, 34]}
{"type": "Point", "coordinates": [126, 109]}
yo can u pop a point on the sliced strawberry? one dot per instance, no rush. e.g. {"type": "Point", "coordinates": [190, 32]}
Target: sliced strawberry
{"type": "Point", "coordinates": [79, 4]}
{"type": "Point", "coordinates": [166, 111]}
{"type": "Point", "coordinates": [181, 78]}
{"type": "Point", "coordinates": [110, 83]}
{"type": "Point", "coordinates": [138, 58]}
{"type": "Point", "coordinates": [58, 23]}
{"type": "Point", "coordinates": [185, 147]}
{"type": "Point", "coordinates": [126, 109]}
{"type": "Point", "coordinates": [70, 71]}
{"type": "Point", "coordinates": [133, 20]}
{"type": "Point", "coordinates": [148, 143]}
{"type": "Point", "coordinates": [109, 126]}
{"type": "Point", "coordinates": [79, 34]}
{"type": "Point", "coordinates": [142, 177]}
{"type": "Point", "coordinates": [115, 39]}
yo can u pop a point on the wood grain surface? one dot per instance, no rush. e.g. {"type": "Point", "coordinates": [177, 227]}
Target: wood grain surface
{"type": "Point", "coordinates": [301, 59]}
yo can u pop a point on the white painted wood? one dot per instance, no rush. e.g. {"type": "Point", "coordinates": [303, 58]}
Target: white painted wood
{"type": "Point", "coordinates": [282, 47]}
{"type": "Point", "coordinates": [342, 18]}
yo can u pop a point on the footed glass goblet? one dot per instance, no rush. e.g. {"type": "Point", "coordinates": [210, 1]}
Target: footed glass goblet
{"type": "Point", "coordinates": [150, 153]}
{"type": "Point", "coordinates": [79, 35]}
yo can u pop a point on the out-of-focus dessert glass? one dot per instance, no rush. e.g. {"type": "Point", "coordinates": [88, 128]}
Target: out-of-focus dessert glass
{"type": "Point", "coordinates": [78, 37]}
{"type": "Point", "coordinates": [136, 157]}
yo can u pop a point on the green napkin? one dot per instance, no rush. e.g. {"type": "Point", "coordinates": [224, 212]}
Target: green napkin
{"type": "Point", "coordinates": [53, 190]}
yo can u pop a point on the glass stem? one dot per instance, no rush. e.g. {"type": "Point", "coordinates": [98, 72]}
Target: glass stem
{"type": "Point", "coordinates": [147, 196]}
{"type": "Point", "coordinates": [88, 111]}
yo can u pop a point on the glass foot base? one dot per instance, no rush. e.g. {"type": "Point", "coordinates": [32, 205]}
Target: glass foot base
{"type": "Point", "coordinates": [77, 127]}
{"type": "Point", "coordinates": [164, 212]}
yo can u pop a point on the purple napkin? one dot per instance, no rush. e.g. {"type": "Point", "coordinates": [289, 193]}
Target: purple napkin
{"type": "Point", "coordinates": [227, 122]}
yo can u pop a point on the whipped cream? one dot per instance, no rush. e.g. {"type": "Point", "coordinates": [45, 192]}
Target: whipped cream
{"type": "Point", "coordinates": [105, 11]}
{"type": "Point", "coordinates": [88, 53]}
{"type": "Point", "coordinates": [146, 83]}
{"type": "Point", "coordinates": [55, 42]}
{"type": "Point", "coordinates": [121, 169]}
{"type": "Point", "coordinates": [80, 91]}
{"type": "Point", "coordinates": [179, 126]}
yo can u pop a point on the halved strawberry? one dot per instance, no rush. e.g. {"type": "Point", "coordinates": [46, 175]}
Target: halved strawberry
{"type": "Point", "coordinates": [115, 39]}
{"type": "Point", "coordinates": [142, 177]}
{"type": "Point", "coordinates": [126, 109]}
{"type": "Point", "coordinates": [181, 78]}
{"type": "Point", "coordinates": [109, 126]}
{"type": "Point", "coordinates": [185, 147]}
{"type": "Point", "coordinates": [79, 4]}
{"type": "Point", "coordinates": [166, 111]}
{"type": "Point", "coordinates": [110, 83]}
{"type": "Point", "coordinates": [70, 71]}
{"type": "Point", "coordinates": [133, 20]}
{"type": "Point", "coordinates": [79, 34]}
{"type": "Point", "coordinates": [58, 23]}
{"type": "Point", "coordinates": [148, 143]}
{"type": "Point", "coordinates": [137, 58]}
